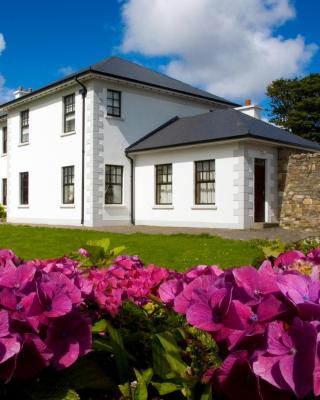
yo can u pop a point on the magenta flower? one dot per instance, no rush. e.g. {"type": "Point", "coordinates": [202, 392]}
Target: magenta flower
{"type": "Point", "coordinates": [69, 337]}
{"type": "Point", "coordinates": [289, 360]}
{"type": "Point", "coordinates": [255, 284]}
{"type": "Point", "coordinates": [285, 260]}
{"type": "Point", "coordinates": [303, 292]}
{"type": "Point", "coordinates": [83, 252]}
{"type": "Point", "coordinates": [214, 309]}
{"type": "Point", "coordinates": [35, 353]}
{"type": "Point", "coordinates": [184, 299]}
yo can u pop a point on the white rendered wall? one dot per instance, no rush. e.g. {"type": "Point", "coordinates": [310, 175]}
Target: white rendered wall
{"type": "Point", "coordinates": [3, 160]}
{"type": "Point", "coordinates": [47, 152]}
{"type": "Point", "coordinates": [183, 211]}
{"type": "Point", "coordinates": [142, 111]}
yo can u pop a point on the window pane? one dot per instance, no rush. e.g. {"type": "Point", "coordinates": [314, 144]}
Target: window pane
{"type": "Point", "coordinates": [164, 184]}
{"type": "Point", "coordinates": [68, 185]}
{"type": "Point", "coordinates": [4, 140]}
{"type": "Point", "coordinates": [114, 103]}
{"type": "Point", "coordinates": [205, 182]}
{"type": "Point", "coordinates": [113, 184]}
{"type": "Point", "coordinates": [4, 191]}
{"type": "Point", "coordinates": [24, 188]}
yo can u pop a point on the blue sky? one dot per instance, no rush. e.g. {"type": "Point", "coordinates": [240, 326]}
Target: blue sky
{"type": "Point", "coordinates": [43, 42]}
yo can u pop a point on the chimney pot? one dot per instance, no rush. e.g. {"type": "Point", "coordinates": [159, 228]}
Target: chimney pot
{"type": "Point", "coordinates": [248, 102]}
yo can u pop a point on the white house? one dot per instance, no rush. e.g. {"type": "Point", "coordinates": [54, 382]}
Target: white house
{"type": "Point", "coordinates": [117, 143]}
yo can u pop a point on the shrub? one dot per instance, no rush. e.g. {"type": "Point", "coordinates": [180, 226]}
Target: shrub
{"type": "Point", "coordinates": [70, 330]}
{"type": "Point", "coordinates": [3, 213]}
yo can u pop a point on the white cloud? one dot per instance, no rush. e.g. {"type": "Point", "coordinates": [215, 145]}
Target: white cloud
{"type": "Point", "coordinates": [6, 94]}
{"type": "Point", "coordinates": [67, 70]}
{"type": "Point", "coordinates": [2, 43]}
{"type": "Point", "coordinates": [228, 47]}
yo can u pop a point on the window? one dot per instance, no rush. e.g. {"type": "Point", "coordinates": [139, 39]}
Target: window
{"type": "Point", "coordinates": [68, 185]}
{"type": "Point", "coordinates": [4, 191]}
{"type": "Point", "coordinates": [24, 135]}
{"type": "Point", "coordinates": [205, 182]}
{"type": "Point", "coordinates": [4, 140]}
{"type": "Point", "coordinates": [24, 188]}
{"type": "Point", "coordinates": [69, 113]}
{"type": "Point", "coordinates": [113, 188]}
{"type": "Point", "coordinates": [164, 184]}
{"type": "Point", "coordinates": [114, 103]}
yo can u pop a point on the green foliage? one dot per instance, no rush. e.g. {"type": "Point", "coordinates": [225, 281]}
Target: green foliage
{"type": "Point", "coordinates": [152, 351]}
{"type": "Point", "coordinates": [305, 245]}
{"type": "Point", "coordinates": [295, 104]}
{"type": "Point", "coordinates": [3, 213]}
{"type": "Point", "coordinates": [273, 249]}
{"type": "Point", "coordinates": [100, 254]}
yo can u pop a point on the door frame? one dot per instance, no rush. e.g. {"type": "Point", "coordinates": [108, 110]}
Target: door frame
{"type": "Point", "coordinates": [265, 216]}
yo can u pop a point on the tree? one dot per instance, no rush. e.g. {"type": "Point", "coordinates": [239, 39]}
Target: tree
{"type": "Point", "coordinates": [295, 105]}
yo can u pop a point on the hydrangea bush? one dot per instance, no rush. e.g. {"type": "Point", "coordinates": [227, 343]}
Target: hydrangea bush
{"type": "Point", "coordinates": [136, 331]}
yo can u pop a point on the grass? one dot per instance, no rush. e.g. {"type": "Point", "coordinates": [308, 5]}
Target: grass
{"type": "Point", "coordinates": [174, 251]}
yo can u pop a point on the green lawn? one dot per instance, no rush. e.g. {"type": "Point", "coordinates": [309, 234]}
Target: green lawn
{"type": "Point", "coordinates": [175, 251]}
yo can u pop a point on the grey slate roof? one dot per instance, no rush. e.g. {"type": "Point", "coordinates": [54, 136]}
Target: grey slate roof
{"type": "Point", "coordinates": [117, 67]}
{"type": "Point", "coordinates": [216, 126]}
{"type": "Point", "coordinates": [128, 70]}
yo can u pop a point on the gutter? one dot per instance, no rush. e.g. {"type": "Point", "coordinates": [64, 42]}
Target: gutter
{"type": "Point", "coordinates": [132, 213]}
{"type": "Point", "coordinates": [83, 91]}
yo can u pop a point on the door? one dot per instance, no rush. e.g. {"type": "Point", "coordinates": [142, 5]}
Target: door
{"type": "Point", "coordinates": [259, 189]}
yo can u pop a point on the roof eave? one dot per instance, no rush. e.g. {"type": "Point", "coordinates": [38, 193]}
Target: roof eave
{"type": "Point", "coordinates": [219, 140]}
{"type": "Point", "coordinates": [88, 72]}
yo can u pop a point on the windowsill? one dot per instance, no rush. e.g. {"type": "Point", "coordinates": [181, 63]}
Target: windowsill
{"type": "Point", "coordinates": [204, 207]}
{"type": "Point", "coordinates": [68, 133]}
{"type": "Point", "coordinates": [23, 144]}
{"type": "Point", "coordinates": [163, 207]}
{"type": "Point", "coordinates": [114, 117]}
{"type": "Point", "coordinates": [4, 154]}
{"type": "Point", "coordinates": [67, 206]}
{"type": "Point", "coordinates": [114, 206]}
{"type": "Point", "coordinates": [23, 206]}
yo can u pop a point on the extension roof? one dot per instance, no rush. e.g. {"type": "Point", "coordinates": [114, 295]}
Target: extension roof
{"type": "Point", "coordinates": [116, 67]}
{"type": "Point", "coordinates": [220, 125]}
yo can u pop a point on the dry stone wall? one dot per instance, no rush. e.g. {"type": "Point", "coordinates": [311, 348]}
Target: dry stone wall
{"type": "Point", "coordinates": [299, 190]}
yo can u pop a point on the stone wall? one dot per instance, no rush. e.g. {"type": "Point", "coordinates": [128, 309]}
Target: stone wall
{"type": "Point", "coordinates": [299, 190]}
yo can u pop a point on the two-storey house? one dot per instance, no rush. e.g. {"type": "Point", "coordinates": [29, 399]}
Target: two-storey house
{"type": "Point", "coordinates": [117, 143]}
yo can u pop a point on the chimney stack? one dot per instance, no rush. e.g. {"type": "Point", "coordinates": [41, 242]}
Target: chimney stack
{"type": "Point", "coordinates": [251, 109]}
{"type": "Point", "coordinates": [21, 92]}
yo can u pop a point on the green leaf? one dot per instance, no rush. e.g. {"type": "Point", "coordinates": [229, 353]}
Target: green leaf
{"type": "Point", "coordinates": [103, 345]}
{"type": "Point", "coordinates": [117, 251]}
{"type": "Point", "coordinates": [166, 387]}
{"type": "Point", "coordinates": [46, 390]}
{"type": "Point", "coordinates": [125, 390]}
{"type": "Point", "coordinates": [99, 326]}
{"type": "Point", "coordinates": [147, 375]}
{"type": "Point", "coordinates": [141, 391]}
{"type": "Point", "coordinates": [170, 355]}
{"type": "Point", "coordinates": [87, 374]}
{"type": "Point", "coordinates": [71, 395]}
{"type": "Point", "coordinates": [119, 352]}
{"type": "Point", "coordinates": [104, 243]}
{"type": "Point", "coordinates": [206, 393]}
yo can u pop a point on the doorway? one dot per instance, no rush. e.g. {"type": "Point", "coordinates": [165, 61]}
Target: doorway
{"type": "Point", "coordinates": [259, 189]}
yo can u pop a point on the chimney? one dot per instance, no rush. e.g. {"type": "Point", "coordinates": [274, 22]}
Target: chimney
{"type": "Point", "coordinates": [251, 109]}
{"type": "Point", "coordinates": [21, 92]}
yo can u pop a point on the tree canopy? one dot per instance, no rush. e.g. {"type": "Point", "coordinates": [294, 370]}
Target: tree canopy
{"type": "Point", "coordinates": [295, 105]}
